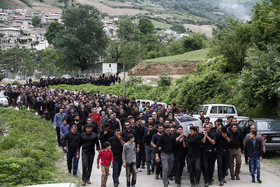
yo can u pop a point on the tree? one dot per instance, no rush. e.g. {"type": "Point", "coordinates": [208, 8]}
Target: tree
{"type": "Point", "coordinates": [127, 31]}
{"type": "Point", "coordinates": [260, 79]}
{"type": "Point", "coordinates": [194, 42]}
{"type": "Point", "coordinates": [232, 42]}
{"type": "Point", "coordinates": [52, 31]}
{"type": "Point", "coordinates": [82, 40]}
{"type": "Point", "coordinates": [178, 28]}
{"type": "Point", "coordinates": [146, 26]}
{"type": "Point", "coordinates": [36, 21]}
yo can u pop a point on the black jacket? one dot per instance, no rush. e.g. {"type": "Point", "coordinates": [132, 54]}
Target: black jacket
{"type": "Point", "coordinates": [73, 140]}
{"type": "Point", "coordinates": [251, 149]}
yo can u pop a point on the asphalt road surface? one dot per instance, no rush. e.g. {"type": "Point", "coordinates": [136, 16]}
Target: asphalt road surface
{"type": "Point", "coordinates": [143, 180]}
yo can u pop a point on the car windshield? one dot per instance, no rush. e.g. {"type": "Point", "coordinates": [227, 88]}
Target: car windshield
{"type": "Point", "coordinates": [268, 125]}
{"type": "Point", "coordinates": [186, 118]}
{"type": "Point", "coordinates": [202, 108]}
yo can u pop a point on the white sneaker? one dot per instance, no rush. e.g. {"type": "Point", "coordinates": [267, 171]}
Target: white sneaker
{"type": "Point", "coordinates": [138, 170]}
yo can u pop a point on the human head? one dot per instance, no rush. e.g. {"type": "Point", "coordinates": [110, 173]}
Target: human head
{"type": "Point", "coordinates": [234, 128]}
{"type": "Point", "coordinates": [74, 128]}
{"type": "Point", "coordinates": [167, 129]}
{"type": "Point", "coordinates": [193, 130]}
{"type": "Point", "coordinates": [130, 137]}
{"type": "Point", "coordinates": [201, 114]}
{"type": "Point", "coordinates": [254, 134]}
{"type": "Point", "coordinates": [250, 122]}
{"type": "Point", "coordinates": [233, 121]}
{"type": "Point", "coordinates": [160, 129]}
{"type": "Point", "coordinates": [64, 122]}
{"type": "Point", "coordinates": [107, 145]}
{"type": "Point", "coordinates": [180, 129]}
{"type": "Point", "coordinates": [207, 127]}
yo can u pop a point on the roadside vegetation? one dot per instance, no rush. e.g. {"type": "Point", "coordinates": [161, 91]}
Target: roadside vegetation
{"type": "Point", "coordinates": [28, 151]}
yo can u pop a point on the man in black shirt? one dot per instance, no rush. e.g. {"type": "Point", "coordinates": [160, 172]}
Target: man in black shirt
{"type": "Point", "coordinates": [105, 134]}
{"type": "Point", "coordinates": [73, 138]}
{"type": "Point", "coordinates": [83, 113]}
{"type": "Point", "coordinates": [128, 130]}
{"type": "Point", "coordinates": [140, 132]}
{"type": "Point", "coordinates": [149, 149]}
{"type": "Point", "coordinates": [113, 122]}
{"type": "Point", "coordinates": [167, 145]}
{"type": "Point", "coordinates": [179, 155]}
{"type": "Point", "coordinates": [208, 155]}
{"type": "Point", "coordinates": [116, 147]}
{"type": "Point", "coordinates": [89, 140]}
{"type": "Point", "coordinates": [194, 154]}
{"type": "Point", "coordinates": [236, 148]}
{"type": "Point", "coordinates": [223, 139]}
{"type": "Point", "coordinates": [78, 123]}
{"type": "Point", "coordinates": [93, 124]}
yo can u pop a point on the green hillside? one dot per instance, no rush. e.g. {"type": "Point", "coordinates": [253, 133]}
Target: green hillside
{"type": "Point", "coordinates": [198, 55]}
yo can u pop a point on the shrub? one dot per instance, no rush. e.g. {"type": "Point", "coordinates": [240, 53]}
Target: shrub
{"type": "Point", "coordinates": [15, 83]}
{"type": "Point", "coordinates": [28, 149]}
{"type": "Point", "coordinates": [164, 80]}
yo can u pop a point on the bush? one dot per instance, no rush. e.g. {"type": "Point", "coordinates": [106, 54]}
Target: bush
{"type": "Point", "coordinates": [164, 80]}
{"type": "Point", "coordinates": [15, 83]}
{"type": "Point", "coordinates": [135, 80]}
{"type": "Point", "coordinates": [28, 149]}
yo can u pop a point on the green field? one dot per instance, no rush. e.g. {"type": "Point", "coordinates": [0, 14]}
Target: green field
{"type": "Point", "coordinates": [198, 55]}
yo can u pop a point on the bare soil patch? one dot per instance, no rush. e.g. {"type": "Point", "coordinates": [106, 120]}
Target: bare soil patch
{"type": "Point", "coordinates": [204, 29]}
{"type": "Point", "coordinates": [112, 11]}
{"type": "Point", "coordinates": [144, 69]}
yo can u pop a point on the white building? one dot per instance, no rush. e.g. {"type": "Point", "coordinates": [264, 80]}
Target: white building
{"type": "Point", "coordinates": [10, 31]}
{"type": "Point", "coordinates": [109, 67]}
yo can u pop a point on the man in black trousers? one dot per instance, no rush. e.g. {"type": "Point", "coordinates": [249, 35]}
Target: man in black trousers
{"type": "Point", "coordinates": [89, 139]}
{"type": "Point", "coordinates": [117, 148]}
{"type": "Point", "coordinates": [194, 156]}
{"type": "Point", "coordinates": [179, 155]}
{"type": "Point", "coordinates": [208, 155]}
{"type": "Point", "coordinates": [223, 139]}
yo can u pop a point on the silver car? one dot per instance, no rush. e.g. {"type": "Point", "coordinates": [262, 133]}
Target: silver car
{"type": "Point", "coordinates": [187, 121]}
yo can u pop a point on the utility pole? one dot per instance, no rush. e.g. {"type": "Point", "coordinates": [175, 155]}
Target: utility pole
{"type": "Point", "coordinates": [123, 69]}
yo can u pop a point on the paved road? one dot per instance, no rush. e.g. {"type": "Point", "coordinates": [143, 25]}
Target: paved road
{"type": "Point", "coordinates": [144, 180]}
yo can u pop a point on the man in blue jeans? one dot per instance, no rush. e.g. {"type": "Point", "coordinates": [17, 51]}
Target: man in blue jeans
{"type": "Point", "coordinates": [73, 139]}
{"type": "Point", "coordinates": [254, 151]}
{"type": "Point", "coordinates": [149, 150]}
{"type": "Point", "coordinates": [58, 118]}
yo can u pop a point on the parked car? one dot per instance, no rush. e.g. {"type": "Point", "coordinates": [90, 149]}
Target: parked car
{"type": "Point", "coordinates": [66, 76]}
{"type": "Point", "coordinates": [269, 129]}
{"type": "Point", "coordinates": [54, 185]}
{"type": "Point", "coordinates": [215, 111]}
{"type": "Point", "coordinates": [187, 121]}
{"type": "Point", "coordinates": [3, 99]}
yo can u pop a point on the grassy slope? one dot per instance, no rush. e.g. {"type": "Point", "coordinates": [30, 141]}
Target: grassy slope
{"type": "Point", "coordinates": [198, 55]}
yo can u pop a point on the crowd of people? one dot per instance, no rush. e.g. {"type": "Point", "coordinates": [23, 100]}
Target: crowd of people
{"type": "Point", "coordinates": [141, 135]}
{"type": "Point", "coordinates": [101, 80]}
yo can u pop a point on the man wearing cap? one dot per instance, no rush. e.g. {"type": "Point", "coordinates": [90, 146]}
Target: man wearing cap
{"type": "Point", "coordinates": [89, 139]}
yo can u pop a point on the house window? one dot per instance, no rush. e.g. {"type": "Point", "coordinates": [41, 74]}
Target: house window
{"type": "Point", "coordinates": [109, 65]}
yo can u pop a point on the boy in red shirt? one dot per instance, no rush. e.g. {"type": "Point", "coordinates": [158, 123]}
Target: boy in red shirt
{"type": "Point", "coordinates": [106, 157]}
